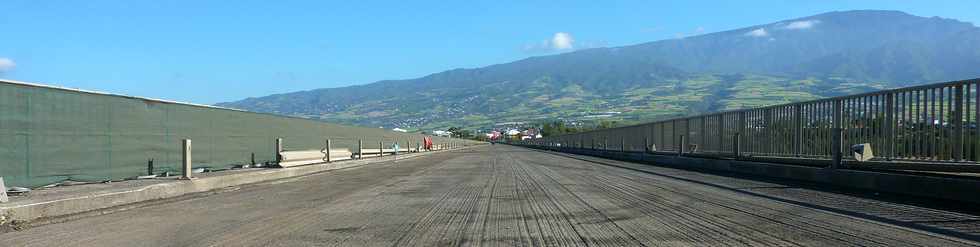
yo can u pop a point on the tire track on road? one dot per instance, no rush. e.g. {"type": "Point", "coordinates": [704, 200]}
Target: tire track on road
{"type": "Point", "coordinates": [749, 205]}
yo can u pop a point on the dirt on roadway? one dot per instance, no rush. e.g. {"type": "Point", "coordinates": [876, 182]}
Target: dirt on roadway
{"type": "Point", "coordinates": [508, 196]}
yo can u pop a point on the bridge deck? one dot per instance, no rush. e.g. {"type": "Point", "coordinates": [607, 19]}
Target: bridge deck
{"type": "Point", "coordinates": [504, 195]}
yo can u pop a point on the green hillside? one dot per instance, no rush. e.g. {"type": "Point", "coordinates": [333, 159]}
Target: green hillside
{"type": "Point", "coordinates": [805, 58]}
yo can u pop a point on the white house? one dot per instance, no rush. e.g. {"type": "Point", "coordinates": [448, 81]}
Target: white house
{"type": "Point", "coordinates": [442, 133]}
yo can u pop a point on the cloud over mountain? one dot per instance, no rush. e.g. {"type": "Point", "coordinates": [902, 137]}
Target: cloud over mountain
{"type": "Point", "coordinates": [6, 64]}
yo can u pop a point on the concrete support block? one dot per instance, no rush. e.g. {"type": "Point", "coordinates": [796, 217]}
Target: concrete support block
{"type": "Point", "coordinates": [327, 152]}
{"type": "Point", "coordinates": [3, 192]}
{"type": "Point", "coordinates": [278, 149]}
{"type": "Point", "coordinates": [360, 148]}
{"type": "Point", "coordinates": [186, 161]}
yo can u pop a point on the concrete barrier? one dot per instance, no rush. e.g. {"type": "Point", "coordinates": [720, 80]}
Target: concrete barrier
{"type": "Point", "coordinates": [939, 186]}
{"type": "Point", "coordinates": [375, 151]}
{"type": "Point", "coordinates": [120, 194]}
{"type": "Point", "coordinates": [309, 157]}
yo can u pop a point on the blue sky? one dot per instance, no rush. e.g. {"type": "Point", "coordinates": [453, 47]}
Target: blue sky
{"type": "Point", "coordinates": [215, 51]}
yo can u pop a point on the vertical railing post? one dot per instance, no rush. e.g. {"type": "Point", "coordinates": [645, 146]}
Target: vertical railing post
{"type": "Point", "coordinates": [381, 149]}
{"type": "Point", "coordinates": [798, 130]}
{"type": "Point", "coordinates": [737, 145]}
{"type": "Point", "coordinates": [673, 133]}
{"type": "Point", "coordinates": [278, 150]}
{"type": "Point", "coordinates": [149, 165]}
{"type": "Point", "coordinates": [837, 136]}
{"type": "Point", "coordinates": [721, 134]}
{"type": "Point", "coordinates": [687, 132]}
{"type": "Point", "coordinates": [704, 135]}
{"type": "Point", "coordinates": [740, 135]}
{"type": "Point", "coordinates": [958, 123]}
{"type": "Point", "coordinates": [622, 143]}
{"type": "Point", "coordinates": [326, 152]}
{"type": "Point", "coordinates": [680, 151]}
{"type": "Point", "coordinates": [646, 144]}
{"type": "Point", "coordinates": [360, 149]}
{"type": "Point", "coordinates": [186, 159]}
{"type": "Point", "coordinates": [768, 140]}
{"type": "Point", "coordinates": [890, 125]}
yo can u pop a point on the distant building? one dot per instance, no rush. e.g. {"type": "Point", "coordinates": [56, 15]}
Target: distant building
{"type": "Point", "coordinates": [442, 133]}
{"type": "Point", "coordinates": [531, 132]}
{"type": "Point", "coordinates": [399, 130]}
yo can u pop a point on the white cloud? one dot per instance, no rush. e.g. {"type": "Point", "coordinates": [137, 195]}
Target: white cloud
{"type": "Point", "coordinates": [805, 24]}
{"type": "Point", "coordinates": [698, 30]}
{"type": "Point", "coordinates": [559, 41]}
{"type": "Point", "coordinates": [6, 64]}
{"type": "Point", "coordinates": [562, 41]}
{"type": "Point", "coordinates": [761, 32]}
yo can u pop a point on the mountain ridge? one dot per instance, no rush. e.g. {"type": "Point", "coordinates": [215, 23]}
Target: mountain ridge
{"type": "Point", "coordinates": [862, 50]}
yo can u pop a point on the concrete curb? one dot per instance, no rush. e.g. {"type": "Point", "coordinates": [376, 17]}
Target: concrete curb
{"type": "Point", "coordinates": [938, 187]}
{"type": "Point", "coordinates": [29, 210]}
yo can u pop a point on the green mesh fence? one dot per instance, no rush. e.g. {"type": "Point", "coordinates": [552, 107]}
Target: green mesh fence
{"type": "Point", "coordinates": [49, 135]}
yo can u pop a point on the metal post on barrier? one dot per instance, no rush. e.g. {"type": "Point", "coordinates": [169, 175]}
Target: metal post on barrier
{"type": "Point", "coordinates": [381, 149]}
{"type": "Point", "coordinates": [797, 130]}
{"type": "Point", "coordinates": [837, 135]}
{"type": "Point", "coordinates": [360, 149]}
{"type": "Point", "coordinates": [278, 150]}
{"type": "Point", "coordinates": [737, 145]}
{"type": "Point", "coordinates": [957, 119]}
{"type": "Point", "coordinates": [622, 144]}
{"type": "Point", "coordinates": [837, 143]}
{"type": "Point", "coordinates": [186, 161]}
{"type": "Point", "coordinates": [680, 151]}
{"type": "Point", "coordinates": [327, 152]}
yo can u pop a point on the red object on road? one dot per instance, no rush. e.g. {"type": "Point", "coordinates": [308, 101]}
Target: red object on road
{"type": "Point", "coordinates": [427, 141]}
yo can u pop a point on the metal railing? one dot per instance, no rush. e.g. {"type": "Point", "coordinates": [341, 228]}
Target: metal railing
{"type": "Point", "coordinates": [929, 127]}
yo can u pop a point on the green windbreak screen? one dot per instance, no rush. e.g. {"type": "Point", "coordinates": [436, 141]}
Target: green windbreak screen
{"type": "Point", "coordinates": [49, 135]}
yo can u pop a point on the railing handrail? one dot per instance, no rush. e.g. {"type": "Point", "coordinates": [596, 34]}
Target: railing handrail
{"type": "Point", "coordinates": [822, 100]}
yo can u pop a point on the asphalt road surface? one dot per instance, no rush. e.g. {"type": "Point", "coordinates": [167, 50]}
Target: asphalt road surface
{"type": "Point", "coordinates": [506, 196]}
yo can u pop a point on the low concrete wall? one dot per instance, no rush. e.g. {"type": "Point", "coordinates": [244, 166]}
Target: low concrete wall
{"type": "Point", "coordinates": [37, 208]}
{"type": "Point", "coordinates": [940, 187]}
